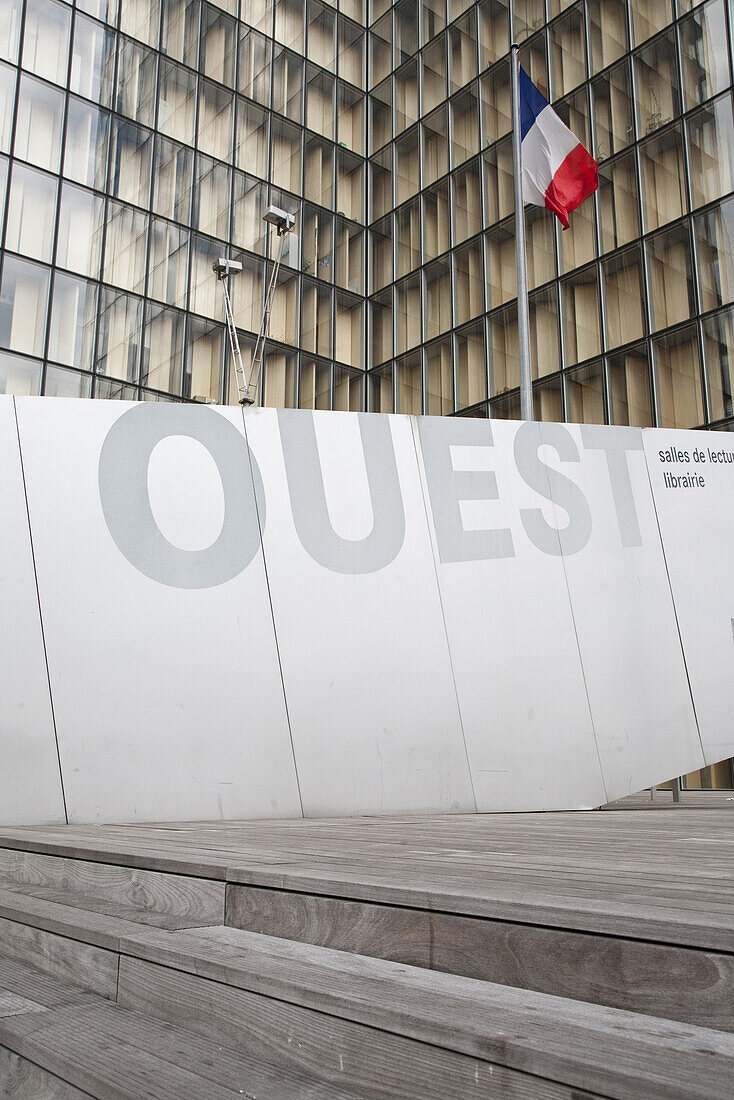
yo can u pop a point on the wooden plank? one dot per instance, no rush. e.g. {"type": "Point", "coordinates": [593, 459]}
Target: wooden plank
{"type": "Point", "coordinates": [33, 985]}
{"type": "Point", "coordinates": [67, 1045]}
{"type": "Point", "coordinates": [23, 1080]}
{"type": "Point", "coordinates": [83, 964]}
{"type": "Point", "coordinates": [676, 983]}
{"type": "Point", "coordinates": [198, 1055]}
{"type": "Point", "coordinates": [604, 1050]}
{"type": "Point", "coordinates": [194, 900]}
{"type": "Point", "coordinates": [11, 1004]}
{"type": "Point", "coordinates": [241, 1070]}
{"type": "Point", "coordinates": [616, 868]}
{"type": "Point", "coordinates": [65, 920]}
{"type": "Point", "coordinates": [636, 920]}
{"type": "Point", "coordinates": [349, 1057]}
{"type": "Point", "coordinates": [672, 982]}
{"type": "Point", "coordinates": [92, 904]}
{"type": "Point", "coordinates": [386, 932]}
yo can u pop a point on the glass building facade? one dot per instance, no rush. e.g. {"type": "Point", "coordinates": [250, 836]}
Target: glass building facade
{"type": "Point", "coordinates": [141, 140]}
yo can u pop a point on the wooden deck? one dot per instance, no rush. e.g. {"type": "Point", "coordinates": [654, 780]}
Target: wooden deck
{"type": "Point", "coordinates": [560, 918]}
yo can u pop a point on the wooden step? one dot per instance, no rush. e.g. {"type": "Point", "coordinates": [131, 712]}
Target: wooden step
{"type": "Point", "coordinates": [363, 1025]}
{"type": "Point", "coordinates": [58, 1041]}
{"type": "Point", "coordinates": [643, 973]}
{"type": "Point", "coordinates": [628, 909]}
{"type": "Point", "coordinates": [164, 900]}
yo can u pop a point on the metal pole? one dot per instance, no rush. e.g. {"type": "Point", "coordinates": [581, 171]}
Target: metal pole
{"type": "Point", "coordinates": [523, 315]}
{"type": "Point", "coordinates": [257, 355]}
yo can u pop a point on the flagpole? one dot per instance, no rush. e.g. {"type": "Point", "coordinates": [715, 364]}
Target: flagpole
{"type": "Point", "coordinates": [523, 315]}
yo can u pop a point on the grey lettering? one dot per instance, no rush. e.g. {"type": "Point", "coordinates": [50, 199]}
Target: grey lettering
{"type": "Point", "coordinates": [448, 487]}
{"type": "Point", "coordinates": [615, 445]}
{"type": "Point", "coordinates": [552, 485]}
{"type": "Point", "coordinates": [308, 495]}
{"type": "Point", "coordinates": [123, 490]}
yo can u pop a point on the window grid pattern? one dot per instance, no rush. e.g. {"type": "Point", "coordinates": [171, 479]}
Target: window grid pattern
{"type": "Point", "coordinates": [141, 141]}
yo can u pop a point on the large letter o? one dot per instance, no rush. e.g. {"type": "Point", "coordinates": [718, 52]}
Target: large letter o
{"type": "Point", "coordinates": [123, 490]}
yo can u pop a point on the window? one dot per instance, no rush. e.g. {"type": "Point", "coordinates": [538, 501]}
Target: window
{"type": "Point", "coordinates": [439, 378]}
{"type": "Point", "coordinates": [409, 384]}
{"type": "Point", "coordinates": [31, 213]}
{"type": "Point", "coordinates": [163, 349]}
{"type": "Point", "coordinates": [408, 313]}
{"type": "Point", "coordinates": [581, 317]}
{"type": "Point", "coordinates": [607, 32]}
{"type": "Point", "coordinates": [656, 73]}
{"type": "Point", "coordinates": [408, 238]}
{"type": "Point", "coordinates": [711, 151]}
{"type": "Point", "coordinates": [254, 73]}
{"type": "Point", "coordinates": [496, 103]}
{"type": "Point", "coordinates": [437, 296]}
{"type": "Point", "coordinates": [544, 353]}
{"type": "Point", "coordinates": [381, 342]}
{"type": "Point", "coordinates": [718, 345]}
{"type": "Point", "coordinates": [23, 306]}
{"type": "Point", "coordinates": [168, 277]}
{"type": "Point", "coordinates": [663, 180]}
{"type": "Point", "coordinates": [434, 133]}
{"type": "Point", "coordinates": [629, 388]}
{"type": "Point", "coordinates": [468, 282]}
{"type": "Point", "coordinates": [703, 53]}
{"type": "Point", "coordinates": [136, 82]}
{"type": "Point", "coordinates": [471, 371]}
{"type": "Point", "coordinates": [619, 218]}
{"type": "Point", "coordinates": [203, 363]}
{"type": "Point", "coordinates": [464, 126]}
{"type": "Point", "coordinates": [670, 273]}
{"type": "Point", "coordinates": [129, 175]}
{"type": "Point", "coordinates": [125, 244]}
{"type": "Point", "coordinates": [568, 52]}
{"type": "Point", "coordinates": [623, 298]}
{"type": "Point", "coordinates": [46, 39]}
{"type": "Point", "coordinates": [92, 61]}
{"type": "Point", "coordinates": [585, 395]}
{"type": "Point", "coordinates": [494, 35]}
{"type": "Point", "coordinates": [39, 124]}
{"type": "Point", "coordinates": [120, 331]}
{"type": "Point", "coordinates": [678, 372]}
{"type": "Point", "coordinates": [81, 217]}
{"type": "Point", "coordinates": [318, 183]}
{"type": "Point", "coordinates": [280, 377]}
{"type": "Point", "coordinates": [612, 99]}
{"type": "Point", "coordinates": [436, 220]}
{"type": "Point", "coordinates": [177, 102]}
{"type": "Point", "coordinates": [715, 253]}
{"type": "Point", "coordinates": [315, 387]}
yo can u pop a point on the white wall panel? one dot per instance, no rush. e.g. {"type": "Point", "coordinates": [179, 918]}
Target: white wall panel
{"type": "Point", "coordinates": [167, 693]}
{"type": "Point", "coordinates": [623, 610]}
{"type": "Point", "coordinates": [448, 614]}
{"type": "Point", "coordinates": [30, 784]}
{"type": "Point", "coordinates": [521, 691]}
{"type": "Point", "coordinates": [365, 659]}
{"type": "Point", "coordinates": [697, 527]}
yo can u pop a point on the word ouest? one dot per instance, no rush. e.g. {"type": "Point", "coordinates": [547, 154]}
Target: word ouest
{"type": "Point", "coordinates": [123, 487]}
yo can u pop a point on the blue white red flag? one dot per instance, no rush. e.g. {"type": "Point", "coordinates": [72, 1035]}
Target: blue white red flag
{"type": "Point", "coordinates": [557, 171]}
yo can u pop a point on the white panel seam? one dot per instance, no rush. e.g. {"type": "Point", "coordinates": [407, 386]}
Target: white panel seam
{"type": "Point", "coordinates": [643, 432]}
{"type": "Point", "coordinates": [40, 612]}
{"type": "Point", "coordinates": [272, 613]}
{"type": "Point", "coordinates": [576, 633]}
{"type": "Point", "coordinates": [434, 558]}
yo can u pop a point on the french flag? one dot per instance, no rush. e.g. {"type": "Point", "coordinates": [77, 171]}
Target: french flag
{"type": "Point", "coordinates": [557, 171]}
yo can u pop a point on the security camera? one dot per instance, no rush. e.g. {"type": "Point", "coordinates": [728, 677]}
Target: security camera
{"type": "Point", "coordinates": [222, 267]}
{"type": "Point", "coordinates": [281, 219]}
